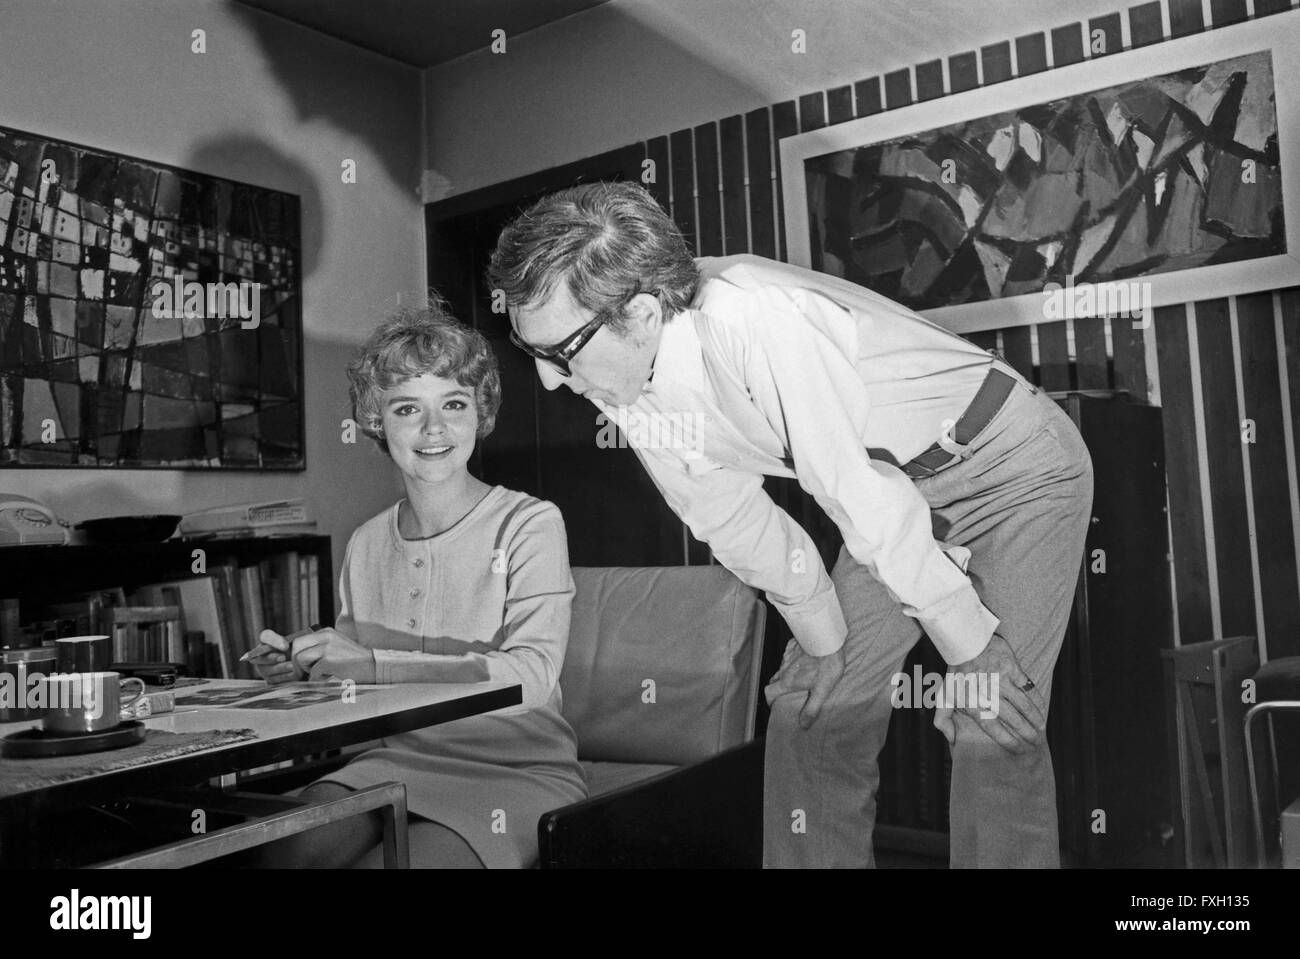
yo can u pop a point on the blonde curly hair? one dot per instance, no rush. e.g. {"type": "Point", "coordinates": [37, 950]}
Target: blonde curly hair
{"type": "Point", "coordinates": [414, 342]}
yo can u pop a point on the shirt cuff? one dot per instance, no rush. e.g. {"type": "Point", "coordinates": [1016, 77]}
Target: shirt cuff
{"type": "Point", "coordinates": [960, 625]}
{"type": "Point", "coordinates": [818, 625]}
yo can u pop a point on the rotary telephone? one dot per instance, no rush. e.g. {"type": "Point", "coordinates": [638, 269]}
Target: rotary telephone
{"type": "Point", "coordinates": [25, 522]}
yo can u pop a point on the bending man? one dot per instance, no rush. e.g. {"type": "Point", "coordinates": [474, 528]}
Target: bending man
{"type": "Point", "coordinates": [961, 491]}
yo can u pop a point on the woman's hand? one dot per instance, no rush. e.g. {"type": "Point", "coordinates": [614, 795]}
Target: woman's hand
{"type": "Point", "coordinates": [274, 664]}
{"type": "Point", "coordinates": [327, 652]}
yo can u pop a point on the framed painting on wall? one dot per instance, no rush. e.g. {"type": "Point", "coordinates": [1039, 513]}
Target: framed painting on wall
{"type": "Point", "coordinates": [150, 317]}
{"type": "Point", "coordinates": [1153, 176]}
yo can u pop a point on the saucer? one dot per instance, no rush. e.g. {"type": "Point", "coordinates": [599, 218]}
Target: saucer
{"type": "Point", "coordinates": [36, 742]}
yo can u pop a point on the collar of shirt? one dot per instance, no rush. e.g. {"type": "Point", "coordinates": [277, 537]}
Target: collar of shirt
{"type": "Point", "coordinates": [680, 359]}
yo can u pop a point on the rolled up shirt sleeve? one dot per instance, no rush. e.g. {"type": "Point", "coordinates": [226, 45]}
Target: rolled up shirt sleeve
{"type": "Point", "coordinates": [816, 397]}
{"type": "Point", "coordinates": [754, 538]}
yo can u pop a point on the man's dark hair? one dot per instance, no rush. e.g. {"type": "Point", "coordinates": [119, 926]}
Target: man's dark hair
{"type": "Point", "coordinates": [606, 241]}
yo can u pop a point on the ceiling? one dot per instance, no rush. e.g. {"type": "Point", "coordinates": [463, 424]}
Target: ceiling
{"type": "Point", "coordinates": [421, 32]}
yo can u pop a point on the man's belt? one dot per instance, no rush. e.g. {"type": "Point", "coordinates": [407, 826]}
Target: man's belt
{"type": "Point", "coordinates": [993, 392]}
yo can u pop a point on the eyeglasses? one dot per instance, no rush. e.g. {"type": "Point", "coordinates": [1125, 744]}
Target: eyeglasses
{"type": "Point", "coordinates": [557, 357]}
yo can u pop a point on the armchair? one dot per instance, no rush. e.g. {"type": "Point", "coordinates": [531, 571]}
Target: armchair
{"type": "Point", "coordinates": [661, 685]}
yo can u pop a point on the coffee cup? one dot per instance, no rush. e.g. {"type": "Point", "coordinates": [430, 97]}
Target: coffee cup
{"type": "Point", "coordinates": [83, 654]}
{"type": "Point", "coordinates": [81, 703]}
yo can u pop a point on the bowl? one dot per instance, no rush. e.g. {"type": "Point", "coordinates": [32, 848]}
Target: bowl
{"type": "Point", "coordinates": [130, 529]}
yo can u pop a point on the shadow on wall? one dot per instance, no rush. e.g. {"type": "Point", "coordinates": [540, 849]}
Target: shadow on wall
{"type": "Point", "coordinates": [295, 65]}
{"type": "Point", "coordinates": [241, 157]}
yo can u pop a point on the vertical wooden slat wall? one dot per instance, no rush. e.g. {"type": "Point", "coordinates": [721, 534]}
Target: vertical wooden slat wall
{"type": "Point", "coordinates": [1234, 508]}
{"type": "Point", "coordinates": [1223, 456]}
{"type": "Point", "coordinates": [1258, 361]}
{"type": "Point", "coordinates": [785, 122]}
{"type": "Point", "coordinates": [1182, 464]}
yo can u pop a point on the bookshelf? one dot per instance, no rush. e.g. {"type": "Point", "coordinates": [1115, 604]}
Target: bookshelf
{"type": "Point", "coordinates": [43, 576]}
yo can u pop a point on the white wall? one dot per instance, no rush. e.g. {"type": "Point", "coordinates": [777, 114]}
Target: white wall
{"type": "Point", "coordinates": [272, 104]}
{"type": "Point", "coordinates": [632, 69]}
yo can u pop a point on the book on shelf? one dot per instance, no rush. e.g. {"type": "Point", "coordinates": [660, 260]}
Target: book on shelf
{"type": "Point", "coordinates": [281, 584]}
{"type": "Point", "coordinates": [289, 580]}
{"type": "Point", "coordinates": [268, 595]}
{"type": "Point", "coordinates": [147, 634]}
{"type": "Point", "coordinates": [308, 528]}
{"type": "Point", "coordinates": [227, 616]}
{"type": "Point", "coordinates": [246, 516]}
{"type": "Point", "coordinates": [200, 654]}
{"type": "Point", "coordinates": [313, 582]}
{"type": "Point", "coordinates": [250, 582]}
{"type": "Point", "coordinates": [199, 605]}
{"type": "Point", "coordinates": [306, 615]}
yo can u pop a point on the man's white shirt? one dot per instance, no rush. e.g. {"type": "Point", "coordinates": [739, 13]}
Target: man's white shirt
{"type": "Point", "coordinates": [786, 372]}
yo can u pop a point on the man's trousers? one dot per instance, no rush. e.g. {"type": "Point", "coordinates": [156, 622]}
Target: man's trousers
{"type": "Point", "coordinates": [1020, 499]}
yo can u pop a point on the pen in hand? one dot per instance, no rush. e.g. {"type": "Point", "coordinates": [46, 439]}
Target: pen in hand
{"type": "Point", "coordinates": [263, 648]}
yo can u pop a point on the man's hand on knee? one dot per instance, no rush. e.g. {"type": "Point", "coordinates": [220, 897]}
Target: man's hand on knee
{"type": "Point", "coordinates": [816, 676]}
{"type": "Point", "coordinates": [1008, 709]}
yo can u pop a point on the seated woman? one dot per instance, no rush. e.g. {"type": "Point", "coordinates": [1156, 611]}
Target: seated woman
{"type": "Point", "coordinates": [457, 583]}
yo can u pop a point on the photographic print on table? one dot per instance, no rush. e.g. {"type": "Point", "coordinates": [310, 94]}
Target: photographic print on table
{"type": "Point", "coordinates": [299, 698]}
{"type": "Point", "coordinates": [149, 316]}
{"type": "Point", "coordinates": [219, 696]}
{"type": "Point", "coordinates": [1167, 165]}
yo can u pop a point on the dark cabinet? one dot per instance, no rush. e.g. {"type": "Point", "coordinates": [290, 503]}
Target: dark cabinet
{"type": "Point", "coordinates": [1107, 723]}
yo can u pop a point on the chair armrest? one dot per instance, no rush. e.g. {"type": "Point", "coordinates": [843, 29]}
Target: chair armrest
{"type": "Point", "coordinates": [707, 814]}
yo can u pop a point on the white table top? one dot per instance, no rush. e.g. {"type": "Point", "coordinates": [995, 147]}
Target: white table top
{"type": "Point", "coordinates": [368, 703]}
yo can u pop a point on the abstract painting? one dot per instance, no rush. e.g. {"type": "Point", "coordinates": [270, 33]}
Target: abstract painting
{"type": "Point", "coordinates": [149, 316]}
{"type": "Point", "coordinates": [1160, 174]}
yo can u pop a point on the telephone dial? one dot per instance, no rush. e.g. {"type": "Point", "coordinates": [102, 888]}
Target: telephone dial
{"type": "Point", "coordinates": [25, 522]}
